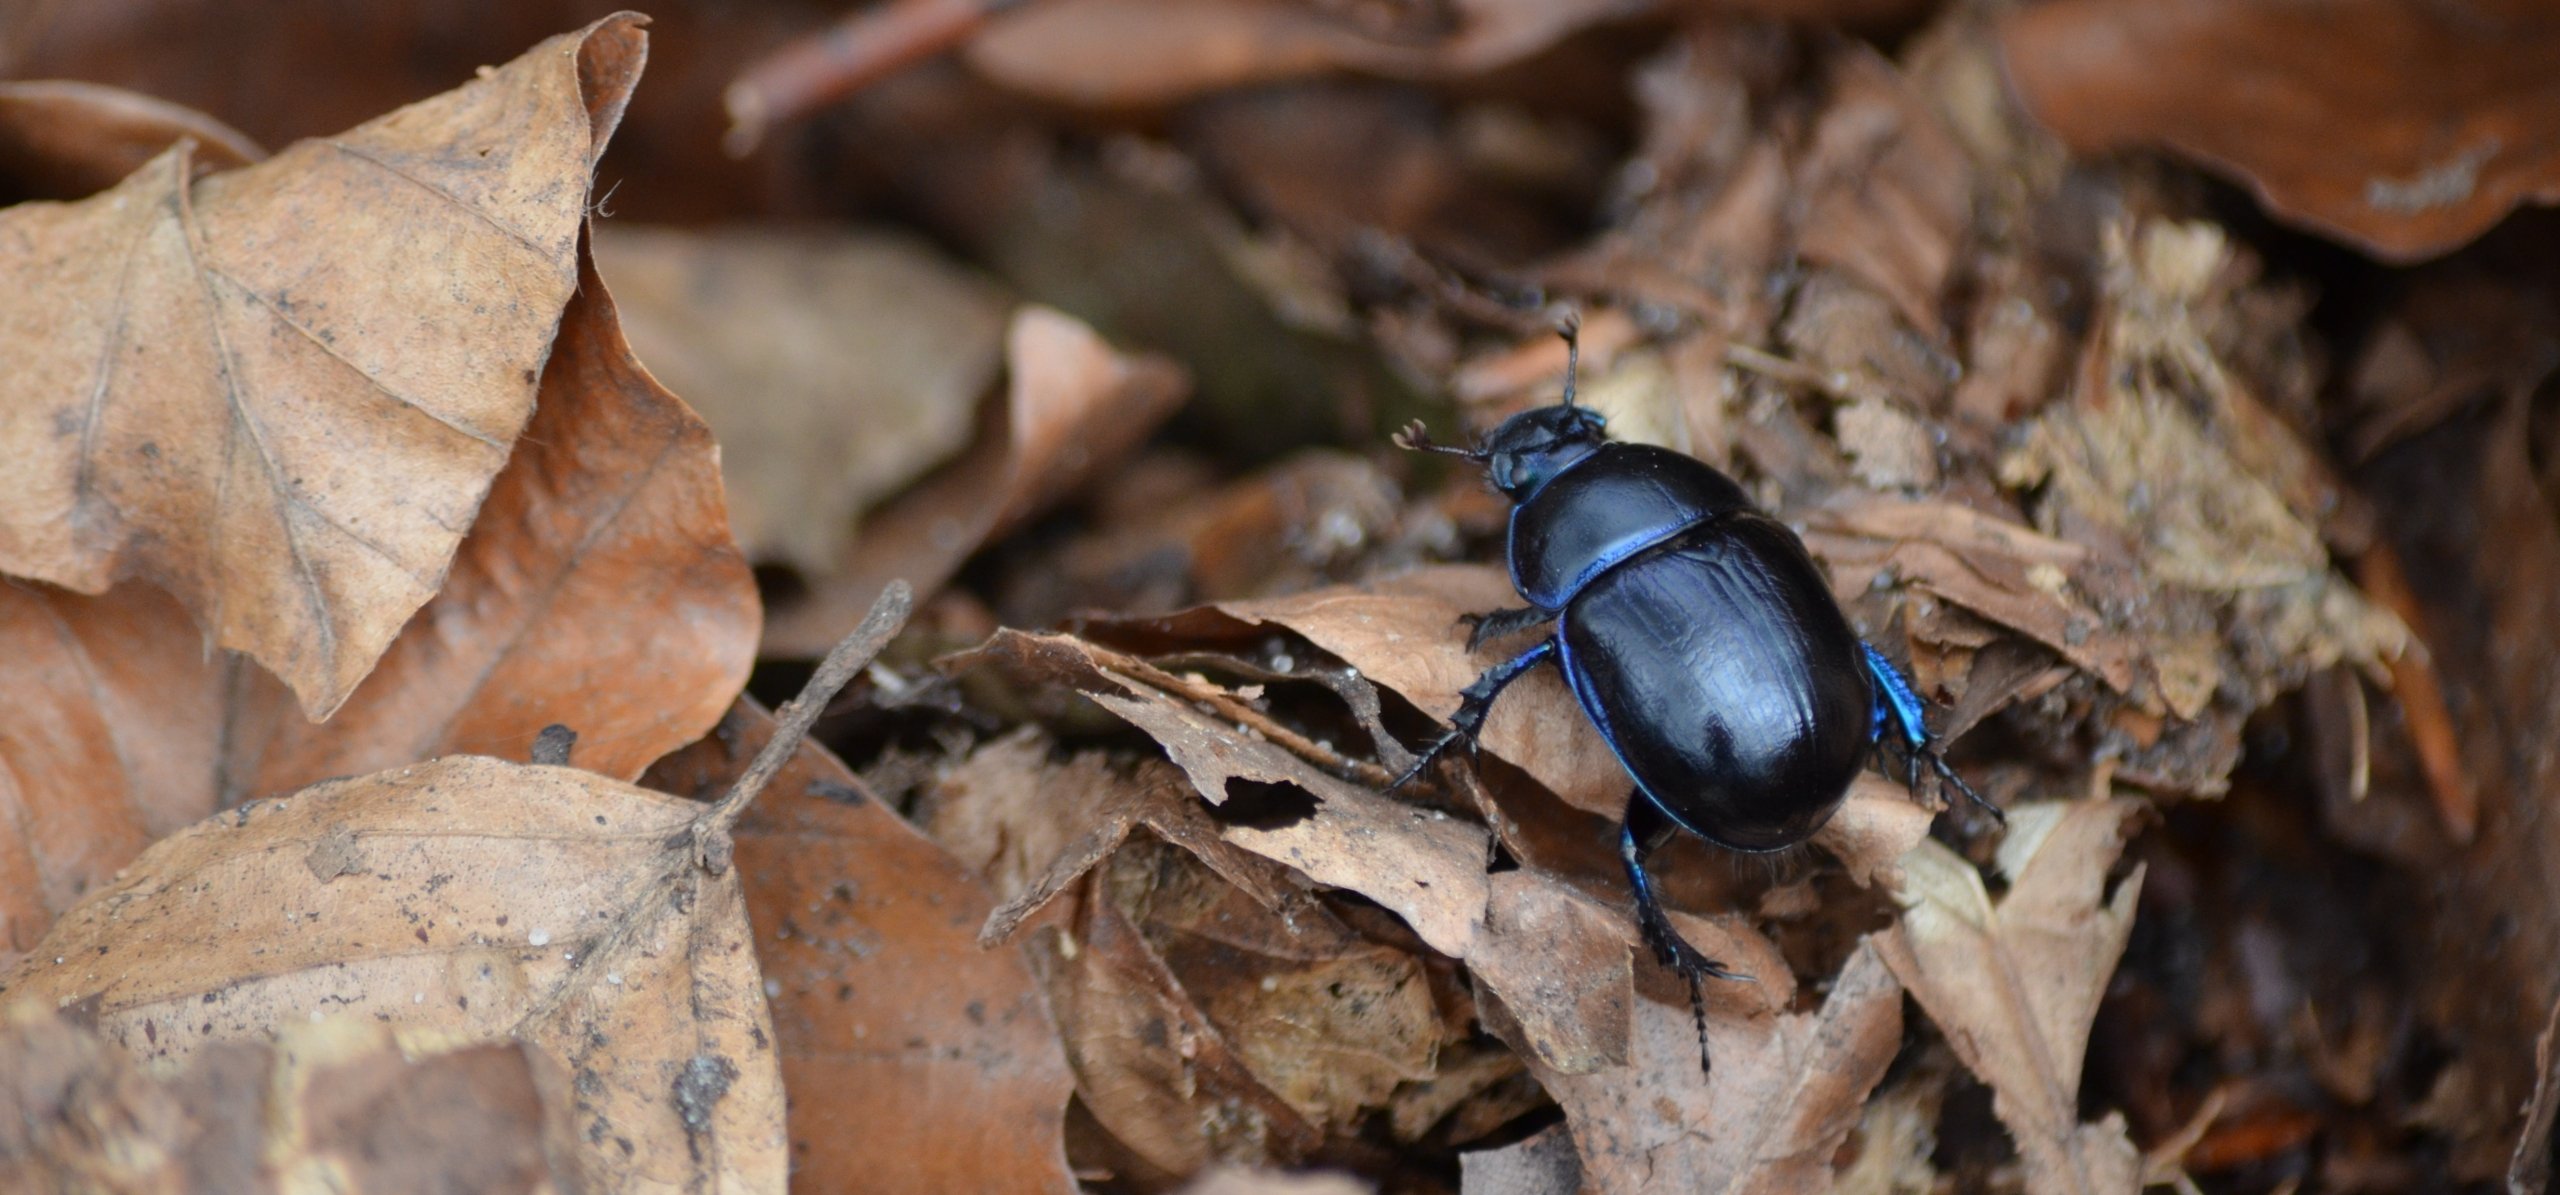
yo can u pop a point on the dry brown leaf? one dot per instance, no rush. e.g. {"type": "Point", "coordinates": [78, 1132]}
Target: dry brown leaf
{"type": "Point", "coordinates": [340, 1104]}
{"type": "Point", "coordinates": [602, 543]}
{"type": "Point", "coordinates": [462, 900]}
{"type": "Point", "coordinates": [1875, 826]}
{"type": "Point", "coordinates": [1786, 1089]}
{"type": "Point", "coordinates": [1117, 53]}
{"type": "Point", "coordinates": [222, 392]}
{"type": "Point", "coordinates": [1073, 406]}
{"type": "Point", "coordinates": [835, 367]}
{"type": "Point", "coordinates": [2345, 117]}
{"type": "Point", "coordinates": [915, 1061]}
{"type": "Point", "coordinates": [2015, 986]}
{"type": "Point", "coordinates": [63, 140]}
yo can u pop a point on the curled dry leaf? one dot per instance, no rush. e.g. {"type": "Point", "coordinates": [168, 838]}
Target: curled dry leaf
{"type": "Point", "coordinates": [602, 541]}
{"type": "Point", "coordinates": [916, 1061]}
{"type": "Point", "coordinates": [1403, 633]}
{"type": "Point", "coordinates": [342, 1104]}
{"type": "Point", "coordinates": [835, 367]}
{"type": "Point", "coordinates": [2016, 985]}
{"type": "Point", "coordinates": [64, 140]}
{"type": "Point", "coordinates": [462, 900]}
{"type": "Point", "coordinates": [1786, 1088]}
{"type": "Point", "coordinates": [1073, 406]}
{"type": "Point", "coordinates": [2429, 158]}
{"type": "Point", "coordinates": [215, 392]}
{"type": "Point", "coordinates": [2003, 571]}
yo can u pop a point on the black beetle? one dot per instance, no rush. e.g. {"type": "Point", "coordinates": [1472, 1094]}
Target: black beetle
{"type": "Point", "coordinates": [1698, 636]}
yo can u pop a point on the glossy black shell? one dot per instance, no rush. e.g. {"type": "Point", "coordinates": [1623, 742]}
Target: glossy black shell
{"type": "Point", "coordinates": [1701, 640]}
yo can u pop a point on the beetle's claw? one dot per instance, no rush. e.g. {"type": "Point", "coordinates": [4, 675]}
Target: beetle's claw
{"type": "Point", "coordinates": [1413, 437]}
{"type": "Point", "coordinates": [1429, 756]}
{"type": "Point", "coordinates": [1938, 763]}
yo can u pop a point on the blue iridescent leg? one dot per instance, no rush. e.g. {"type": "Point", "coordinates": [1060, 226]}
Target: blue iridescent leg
{"type": "Point", "coordinates": [1897, 704]}
{"type": "Point", "coordinates": [1646, 829]}
{"type": "Point", "coordinates": [1483, 627]}
{"type": "Point", "coordinates": [1474, 702]}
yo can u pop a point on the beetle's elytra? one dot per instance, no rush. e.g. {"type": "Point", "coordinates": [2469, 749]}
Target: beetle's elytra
{"type": "Point", "coordinates": [1697, 635]}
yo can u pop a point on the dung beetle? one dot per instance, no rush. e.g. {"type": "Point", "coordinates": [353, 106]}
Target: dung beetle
{"type": "Point", "coordinates": [1698, 636]}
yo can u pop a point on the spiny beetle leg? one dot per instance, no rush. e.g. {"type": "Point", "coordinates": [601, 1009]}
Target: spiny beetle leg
{"type": "Point", "coordinates": [1484, 627]}
{"type": "Point", "coordinates": [1646, 828]}
{"type": "Point", "coordinates": [1895, 697]}
{"type": "Point", "coordinates": [1475, 702]}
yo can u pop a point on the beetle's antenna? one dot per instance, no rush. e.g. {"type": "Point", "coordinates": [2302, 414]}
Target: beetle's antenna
{"type": "Point", "coordinates": [1569, 326]}
{"type": "Point", "coordinates": [1417, 438]}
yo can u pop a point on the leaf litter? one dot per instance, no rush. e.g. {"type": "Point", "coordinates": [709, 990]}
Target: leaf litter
{"type": "Point", "coordinates": [2064, 433]}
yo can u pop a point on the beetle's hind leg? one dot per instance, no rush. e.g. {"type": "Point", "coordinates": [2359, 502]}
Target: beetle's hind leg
{"type": "Point", "coordinates": [1474, 703]}
{"type": "Point", "coordinates": [1484, 627]}
{"type": "Point", "coordinates": [1646, 829]}
{"type": "Point", "coordinates": [1898, 704]}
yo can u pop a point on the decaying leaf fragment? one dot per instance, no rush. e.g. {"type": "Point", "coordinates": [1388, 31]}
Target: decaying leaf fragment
{"type": "Point", "coordinates": [2015, 986]}
{"type": "Point", "coordinates": [339, 1105]}
{"type": "Point", "coordinates": [469, 900]}
{"type": "Point", "coordinates": [2164, 444]}
{"type": "Point", "coordinates": [282, 392]}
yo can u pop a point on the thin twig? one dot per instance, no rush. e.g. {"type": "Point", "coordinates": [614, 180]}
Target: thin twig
{"type": "Point", "coordinates": [1237, 711]}
{"type": "Point", "coordinates": [791, 723]}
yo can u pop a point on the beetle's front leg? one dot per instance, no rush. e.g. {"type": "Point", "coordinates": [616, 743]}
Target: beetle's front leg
{"type": "Point", "coordinates": [1647, 828]}
{"type": "Point", "coordinates": [1474, 703]}
{"type": "Point", "coordinates": [1483, 627]}
{"type": "Point", "coordinates": [1897, 703]}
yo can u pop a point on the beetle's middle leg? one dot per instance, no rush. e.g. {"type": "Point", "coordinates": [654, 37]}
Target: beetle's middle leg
{"type": "Point", "coordinates": [1474, 703]}
{"type": "Point", "coordinates": [1898, 704]}
{"type": "Point", "coordinates": [1646, 829]}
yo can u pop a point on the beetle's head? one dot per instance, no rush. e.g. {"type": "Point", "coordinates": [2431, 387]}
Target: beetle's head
{"type": "Point", "coordinates": [1537, 444]}
{"type": "Point", "coordinates": [1534, 445]}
